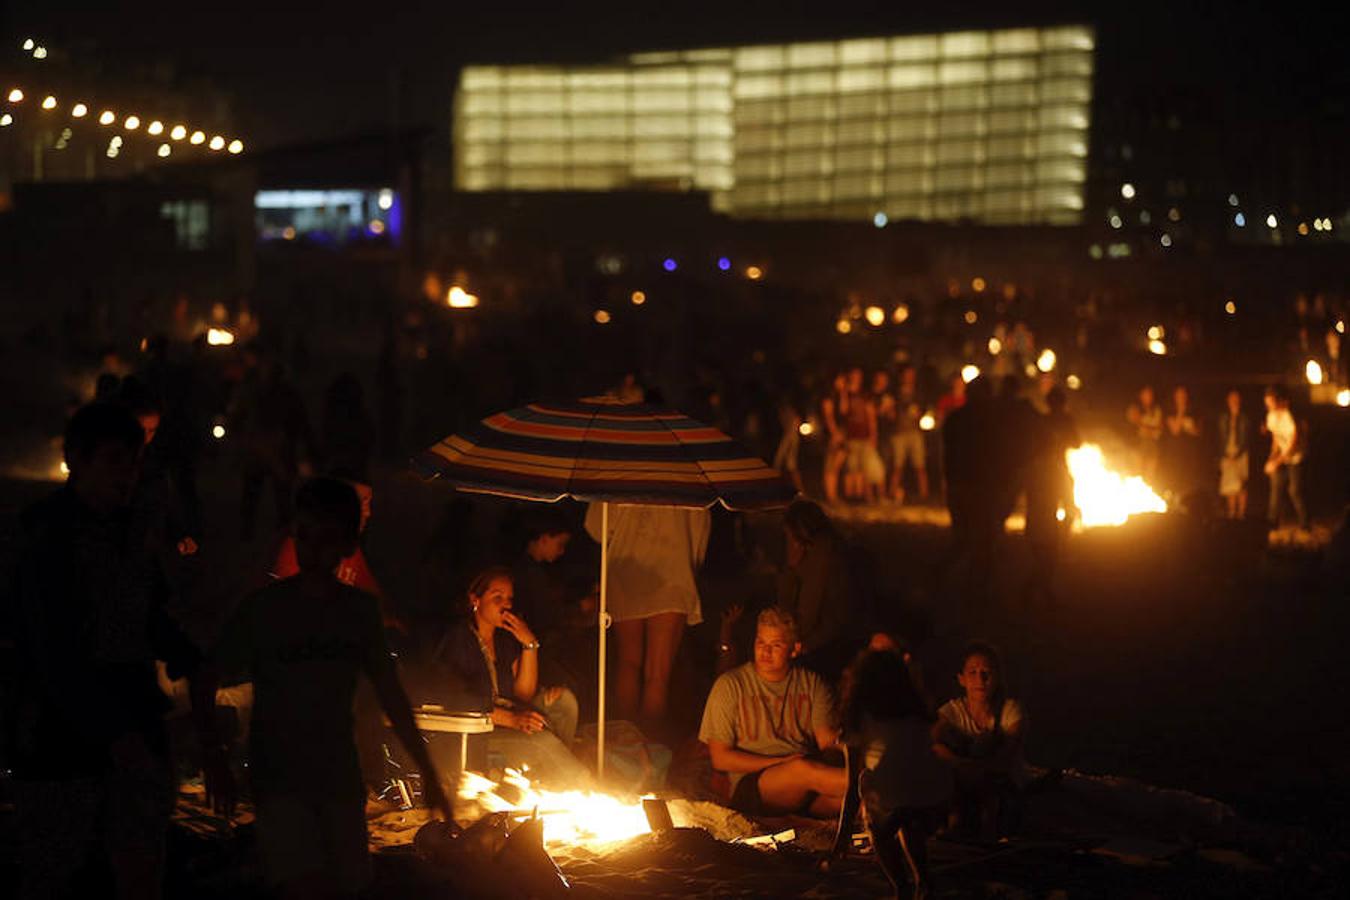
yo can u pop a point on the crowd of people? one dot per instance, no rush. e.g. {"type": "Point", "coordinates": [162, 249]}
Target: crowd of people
{"type": "Point", "coordinates": [320, 667]}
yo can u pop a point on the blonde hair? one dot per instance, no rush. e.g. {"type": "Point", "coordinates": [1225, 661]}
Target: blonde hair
{"type": "Point", "coordinates": [777, 617]}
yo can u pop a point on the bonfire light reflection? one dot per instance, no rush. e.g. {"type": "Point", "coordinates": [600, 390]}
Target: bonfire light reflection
{"type": "Point", "coordinates": [1104, 497]}
{"type": "Point", "coordinates": [570, 817]}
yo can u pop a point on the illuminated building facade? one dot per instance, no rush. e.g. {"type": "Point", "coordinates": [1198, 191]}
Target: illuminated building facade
{"type": "Point", "coordinates": [984, 126]}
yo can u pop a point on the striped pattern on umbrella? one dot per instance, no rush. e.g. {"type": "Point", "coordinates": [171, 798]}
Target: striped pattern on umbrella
{"type": "Point", "coordinates": [600, 450]}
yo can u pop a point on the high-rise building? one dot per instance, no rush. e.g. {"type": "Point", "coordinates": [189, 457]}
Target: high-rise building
{"type": "Point", "coordinates": [985, 126]}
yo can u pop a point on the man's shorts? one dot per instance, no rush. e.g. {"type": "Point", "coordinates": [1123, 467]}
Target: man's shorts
{"type": "Point", "coordinates": [745, 798]}
{"type": "Point", "coordinates": [303, 838]}
{"type": "Point", "coordinates": [908, 445]}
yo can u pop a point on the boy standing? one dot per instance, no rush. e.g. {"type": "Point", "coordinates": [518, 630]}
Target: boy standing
{"type": "Point", "coordinates": [304, 640]}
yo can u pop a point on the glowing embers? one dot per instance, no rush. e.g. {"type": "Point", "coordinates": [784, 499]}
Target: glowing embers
{"type": "Point", "coordinates": [1105, 497]}
{"type": "Point", "coordinates": [574, 818]}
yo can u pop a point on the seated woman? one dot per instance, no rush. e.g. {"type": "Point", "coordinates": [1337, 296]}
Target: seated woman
{"type": "Point", "coordinates": [904, 787]}
{"type": "Point", "coordinates": [981, 734]}
{"type": "Point", "coordinates": [495, 658]}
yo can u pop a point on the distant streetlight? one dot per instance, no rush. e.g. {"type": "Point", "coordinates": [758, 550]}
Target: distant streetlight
{"type": "Point", "coordinates": [1127, 191]}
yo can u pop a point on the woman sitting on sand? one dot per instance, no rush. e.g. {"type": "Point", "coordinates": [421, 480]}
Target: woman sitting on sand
{"type": "Point", "coordinates": [981, 734]}
{"type": "Point", "coordinates": [494, 657]}
{"type": "Point", "coordinates": [904, 787]}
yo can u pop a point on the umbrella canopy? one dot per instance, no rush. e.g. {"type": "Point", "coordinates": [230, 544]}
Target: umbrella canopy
{"type": "Point", "coordinates": [603, 450]}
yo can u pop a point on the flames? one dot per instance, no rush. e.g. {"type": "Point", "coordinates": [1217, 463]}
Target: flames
{"type": "Point", "coordinates": [1104, 497]}
{"type": "Point", "coordinates": [570, 817]}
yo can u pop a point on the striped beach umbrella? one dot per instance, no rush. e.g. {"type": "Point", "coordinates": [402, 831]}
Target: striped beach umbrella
{"type": "Point", "coordinates": [600, 450]}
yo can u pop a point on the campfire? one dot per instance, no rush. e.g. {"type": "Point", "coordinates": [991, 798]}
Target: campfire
{"type": "Point", "coordinates": [1105, 497]}
{"type": "Point", "coordinates": [570, 818]}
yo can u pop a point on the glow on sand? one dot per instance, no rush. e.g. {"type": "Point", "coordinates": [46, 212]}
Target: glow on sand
{"type": "Point", "coordinates": [1105, 497]}
{"type": "Point", "coordinates": [574, 818]}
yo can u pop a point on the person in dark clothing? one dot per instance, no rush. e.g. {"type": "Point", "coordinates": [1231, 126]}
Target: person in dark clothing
{"type": "Point", "coordinates": [270, 422]}
{"type": "Point", "coordinates": [971, 462]}
{"type": "Point", "coordinates": [818, 590]}
{"type": "Point", "coordinates": [560, 609]}
{"type": "Point", "coordinates": [90, 750]}
{"type": "Point", "coordinates": [1049, 490]}
{"type": "Point", "coordinates": [346, 428]}
{"type": "Point", "coordinates": [491, 659]}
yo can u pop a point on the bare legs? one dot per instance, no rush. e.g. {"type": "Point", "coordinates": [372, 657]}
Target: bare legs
{"type": "Point", "coordinates": [646, 649]}
{"type": "Point", "coordinates": [788, 785]}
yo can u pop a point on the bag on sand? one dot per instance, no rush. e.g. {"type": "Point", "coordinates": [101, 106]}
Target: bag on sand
{"type": "Point", "coordinates": [633, 764]}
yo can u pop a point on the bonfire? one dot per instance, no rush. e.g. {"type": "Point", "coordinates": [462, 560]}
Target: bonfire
{"type": "Point", "coordinates": [1106, 497]}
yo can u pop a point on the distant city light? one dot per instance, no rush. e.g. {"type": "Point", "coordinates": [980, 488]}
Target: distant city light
{"type": "Point", "coordinates": [1174, 214]}
{"type": "Point", "coordinates": [1156, 333]}
{"type": "Point", "coordinates": [843, 326]}
{"type": "Point", "coordinates": [927, 422]}
{"type": "Point", "coordinates": [217, 143]}
{"type": "Point", "coordinates": [39, 52]}
{"type": "Point", "coordinates": [458, 298]}
{"type": "Point", "coordinates": [218, 432]}
{"type": "Point", "coordinates": [1340, 326]}
{"type": "Point", "coordinates": [164, 150]}
{"type": "Point", "coordinates": [806, 429]}
{"type": "Point", "coordinates": [375, 227]}
{"type": "Point", "coordinates": [1157, 348]}
{"type": "Point", "coordinates": [977, 285]}
{"type": "Point", "coordinates": [638, 298]}
{"type": "Point", "coordinates": [670, 265]}
{"type": "Point", "coordinates": [79, 111]}
{"type": "Point", "coordinates": [384, 201]}
{"type": "Point", "coordinates": [1116, 221]}
{"type": "Point", "coordinates": [995, 346]}
{"type": "Point", "coordinates": [1145, 217]}
{"type": "Point", "coordinates": [1232, 199]}
{"type": "Point", "coordinates": [197, 137]}
{"type": "Point", "coordinates": [5, 120]}
{"type": "Point", "coordinates": [28, 45]}
{"type": "Point", "coordinates": [131, 123]}
{"type": "Point", "coordinates": [1312, 370]}
{"type": "Point", "coordinates": [601, 317]}
{"type": "Point", "coordinates": [16, 96]}
{"type": "Point", "coordinates": [1303, 228]}
{"type": "Point", "coordinates": [969, 372]}
{"type": "Point", "coordinates": [876, 316]}
{"type": "Point", "coordinates": [65, 469]}
{"type": "Point", "coordinates": [1230, 307]}
{"type": "Point", "coordinates": [236, 146]}
{"type": "Point", "coordinates": [1046, 361]}
{"type": "Point", "coordinates": [1073, 382]}
{"type": "Point", "coordinates": [754, 273]}
{"type": "Point", "coordinates": [156, 128]}
{"type": "Point", "coordinates": [1095, 251]}
{"type": "Point", "coordinates": [49, 102]}
{"type": "Point", "coordinates": [971, 317]}
{"type": "Point", "coordinates": [723, 263]}
{"type": "Point", "coordinates": [288, 233]}
{"type": "Point", "coordinates": [1165, 240]}
{"type": "Point", "coordinates": [219, 337]}
{"type": "Point", "coordinates": [880, 220]}
{"type": "Point", "coordinates": [1240, 220]}
{"type": "Point", "coordinates": [179, 132]}
{"type": "Point", "coordinates": [1271, 221]}
{"type": "Point", "coordinates": [1343, 397]}
{"type": "Point", "coordinates": [1127, 191]}
{"type": "Point", "coordinates": [900, 313]}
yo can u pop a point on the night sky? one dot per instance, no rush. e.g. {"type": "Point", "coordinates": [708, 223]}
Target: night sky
{"type": "Point", "coordinates": [298, 74]}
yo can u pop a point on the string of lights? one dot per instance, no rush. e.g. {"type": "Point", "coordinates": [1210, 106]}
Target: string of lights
{"type": "Point", "coordinates": [130, 122]}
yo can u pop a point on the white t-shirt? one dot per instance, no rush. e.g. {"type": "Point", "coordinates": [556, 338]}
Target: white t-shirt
{"type": "Point", "coordinates": [654, 552]}
{"type": "Point", "coordinates": [1283, 433]}
{"type": "Point", "coordinates": [955, 717]}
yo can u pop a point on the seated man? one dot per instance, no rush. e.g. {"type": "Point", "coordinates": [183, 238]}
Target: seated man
{"type": "Point", "coordinates": [765, 724]}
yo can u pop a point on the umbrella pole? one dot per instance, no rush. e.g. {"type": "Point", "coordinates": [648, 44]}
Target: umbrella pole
{"type": "Point", "coordinates": [603, 617]}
